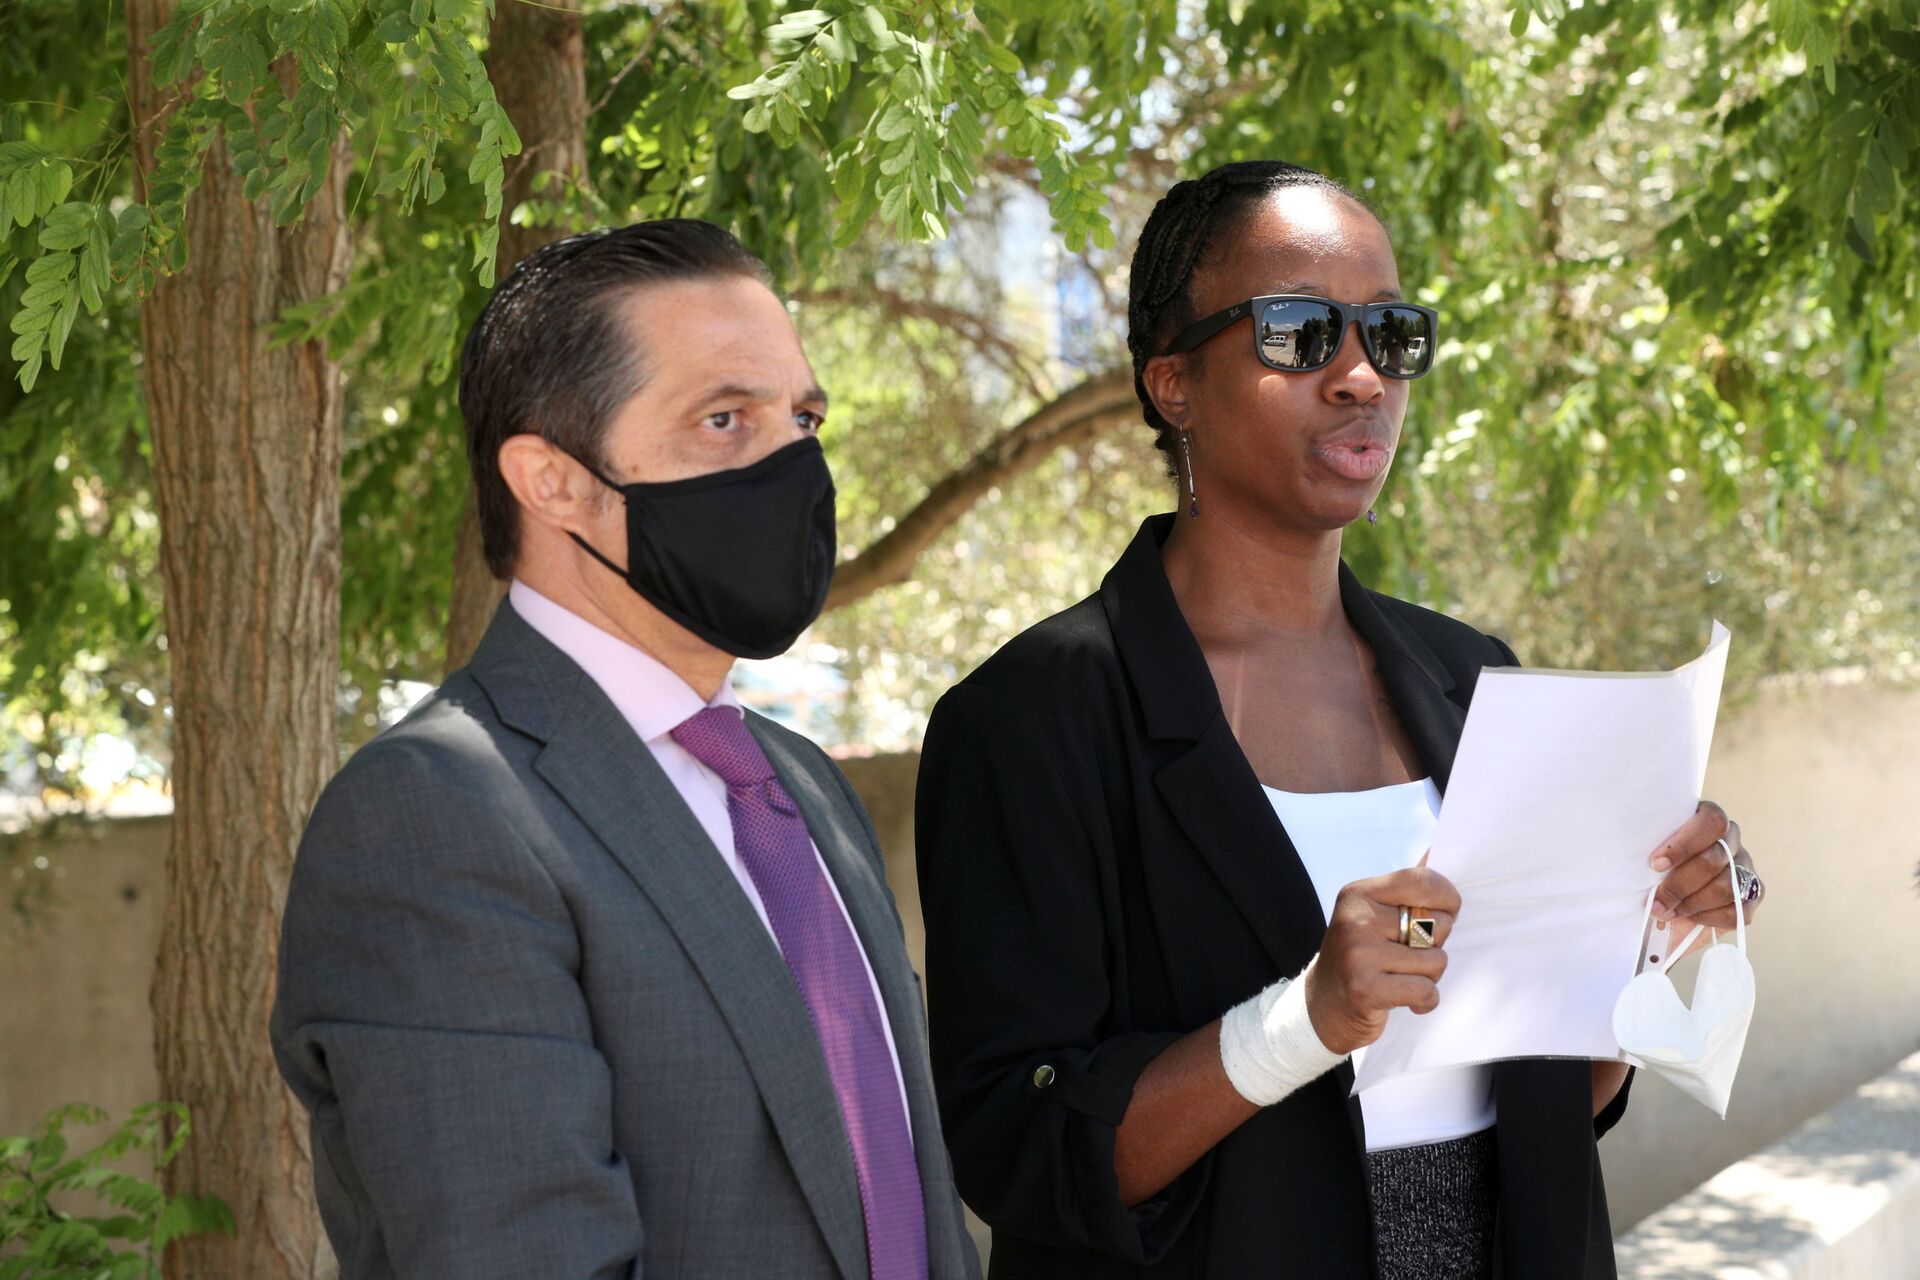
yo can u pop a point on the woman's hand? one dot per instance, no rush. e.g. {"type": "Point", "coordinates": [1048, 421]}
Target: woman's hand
{"type": "Point", "coordinates": [1697, 889]}
{"type": "Point", "coordinates": [1364, 970]}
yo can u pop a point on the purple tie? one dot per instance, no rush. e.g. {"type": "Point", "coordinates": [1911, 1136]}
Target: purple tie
{"type": "Point", "coordinates": [825, 960]}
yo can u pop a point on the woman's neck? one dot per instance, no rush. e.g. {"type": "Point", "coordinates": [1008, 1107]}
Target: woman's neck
{"type": "Point", "coordinates": [1238, 580]}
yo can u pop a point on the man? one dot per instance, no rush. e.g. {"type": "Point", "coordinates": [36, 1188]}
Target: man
{"type": "Point", "coordinates": [586, 972]}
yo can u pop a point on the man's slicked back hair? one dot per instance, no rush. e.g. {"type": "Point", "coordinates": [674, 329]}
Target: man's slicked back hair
{"type": "Point", "coordinates": [550, 355]}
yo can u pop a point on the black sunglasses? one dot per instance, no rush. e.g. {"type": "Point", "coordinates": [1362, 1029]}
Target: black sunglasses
{"type": "Point", "coordinates": [1298, 333]}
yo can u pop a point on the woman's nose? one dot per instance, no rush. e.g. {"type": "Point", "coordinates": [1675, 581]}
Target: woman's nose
{"type": "Point", "coordinates": [1352, 379]}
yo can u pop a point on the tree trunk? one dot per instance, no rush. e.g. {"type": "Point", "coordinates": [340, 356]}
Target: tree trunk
{"type": "Point", "coordinates": [246, 463]}
{"type": "Point", "coordinates": [537, 62]}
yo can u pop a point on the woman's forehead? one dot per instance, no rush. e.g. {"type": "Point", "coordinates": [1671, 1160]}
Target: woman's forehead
{"type": "Point", "coordinates": [1299, 240]}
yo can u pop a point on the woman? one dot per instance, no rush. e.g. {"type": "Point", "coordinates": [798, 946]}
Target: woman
{"type": "Point", "coordinates": [1202, 792]}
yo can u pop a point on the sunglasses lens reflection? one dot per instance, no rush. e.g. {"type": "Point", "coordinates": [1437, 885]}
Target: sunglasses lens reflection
{"type": "Point", "coordinates": [1298, 335]}
{"type": "Point", "coordinates": [1400, 340]}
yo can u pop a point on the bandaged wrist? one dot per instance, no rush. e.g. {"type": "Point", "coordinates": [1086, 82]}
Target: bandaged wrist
{"type": "Point", "coordinates": [1268, 1045]}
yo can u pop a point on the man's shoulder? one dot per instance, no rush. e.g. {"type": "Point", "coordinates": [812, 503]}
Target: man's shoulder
{"type": "Point", "coordinates": [451, 741]}
{"type": "Point", "coordinates": [797, 746]}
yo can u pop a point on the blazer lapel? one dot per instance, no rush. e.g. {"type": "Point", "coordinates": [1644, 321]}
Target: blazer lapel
{"type": "Point", "coordinates": [1206, 781]}
{"type": "Point", "coordinates": [1213, 794]}
{"type": "Point", "coordinates": [1418, 683]}
{"type": "Point", "coordinates": [1208, 785]}
{"type": "Point", "coordinates": [840, 839]}
{"type": "Point", "coordinates": [609, 778]}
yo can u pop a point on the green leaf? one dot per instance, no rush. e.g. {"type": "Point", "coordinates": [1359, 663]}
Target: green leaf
{"type": "Point", "coordinates": [50, 266]}
{"type": "Point", "coordinates": [53, 1147]}
{"type": "Point", "coordinates": [1875, 183]}
{"type": "Point", "coordinates": [66, 227]}
{"type": "Point", "coordinates": [62, 326]}
{"type": "Point", "coordinates": [240, 62]}
{"type": "Point", "coordinates": [1861, 242]}
{"type": "Point", "coordinates": [44, 294]}
{"type": "Point", "coordinates": [394, 29]}
{"type": "Point", "coordinates": [1002, 58]}
{"type": "Point", "coordinates": [23, 194]}
{"type": "Point", "coordinates": [1522, 19]}
{"type": "Point", "coordinates": [798, 25]}
{"type": "Point", "coordinates": [894, 122]}
{"type": "Point", "coordinates": [56, 179]}
{"type": "Point", "coordinates": [95, 268]}
{"type": "Point", "coordinates": [833, 42]}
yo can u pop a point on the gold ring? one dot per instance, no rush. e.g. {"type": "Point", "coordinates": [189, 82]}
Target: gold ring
{"type": "Point", "coordinates": [1422, 933]}
{"type": "Point", "coordinates": [1406, 926]}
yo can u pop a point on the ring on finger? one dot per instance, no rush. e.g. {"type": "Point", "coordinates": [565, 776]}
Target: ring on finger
{"type": "Point", "coordinates": [1421, 934]}
{"type": "Point", "coordinates": [1406, 926]}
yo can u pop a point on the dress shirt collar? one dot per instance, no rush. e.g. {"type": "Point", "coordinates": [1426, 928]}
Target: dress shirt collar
{"type": "Point", "coordinates": [646, 691]}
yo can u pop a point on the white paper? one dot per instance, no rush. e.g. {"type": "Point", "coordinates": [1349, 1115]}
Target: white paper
{"type": "Point", "coordinates": [1564, 784]}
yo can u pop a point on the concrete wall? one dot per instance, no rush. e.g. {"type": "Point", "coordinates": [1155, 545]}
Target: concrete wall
{"type": "Point", "coordinates": [1824, 778]}
{"type": "Point", "coordinates": [74, 1020]}
{"type": "Point", "coordinates": [1825, 782]}
{"type": "Point", "coordinates": [1836, 1199]}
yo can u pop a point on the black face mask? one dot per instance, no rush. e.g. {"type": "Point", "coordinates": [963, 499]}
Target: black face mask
{"type": "Point", "coordinates": [740, 558]}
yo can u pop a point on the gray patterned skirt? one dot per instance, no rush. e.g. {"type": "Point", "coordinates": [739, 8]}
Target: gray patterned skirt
{"type": "Point", "coordinates": [1433, 1209]}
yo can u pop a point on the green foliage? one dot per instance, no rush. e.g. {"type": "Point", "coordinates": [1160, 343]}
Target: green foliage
{"type": "Point", "coordinates": [929, 88]}
{"type": "Point", "coordinates": [135, 1221]}
{"type": "Point", "coordinates": [368, 70]}
{"type": "Point", "coordinates": [1647, 223]}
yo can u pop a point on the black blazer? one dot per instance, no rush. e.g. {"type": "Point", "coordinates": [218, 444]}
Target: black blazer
{"type": "Point", "coordinates": [1101, 874]}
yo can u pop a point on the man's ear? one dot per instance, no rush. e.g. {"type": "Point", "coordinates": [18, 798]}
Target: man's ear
{"type": "Point", "coordinates": [1165, 378]}
{"type": "Point", "coordinates": [550, 486]}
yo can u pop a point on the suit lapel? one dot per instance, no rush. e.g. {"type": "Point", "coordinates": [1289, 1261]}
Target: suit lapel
{"type": "Point", "coordinates": [876, 922]}
{"type": "Point", "coordinates": [609, 778]}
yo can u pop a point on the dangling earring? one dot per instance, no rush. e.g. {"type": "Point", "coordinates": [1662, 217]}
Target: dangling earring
{"type": "Point", "coordinates": [1186, 456]}
{"type": "Point", "coordinates": [1373, 517]}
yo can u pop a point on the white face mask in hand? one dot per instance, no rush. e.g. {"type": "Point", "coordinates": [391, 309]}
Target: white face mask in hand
{"type": "Point", "coordinates": [1699, 1048]}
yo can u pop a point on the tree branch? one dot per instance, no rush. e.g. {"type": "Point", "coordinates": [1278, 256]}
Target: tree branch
{"type": "Point", "coordinates": [1101, 403]}
{"type": "Point", "coordinates": [641, 56]}
{"type": "Point", "coordinates": [977, 330]}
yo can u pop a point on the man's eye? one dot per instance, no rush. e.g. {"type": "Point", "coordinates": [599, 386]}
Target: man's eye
{"type": "Point", "coordinates": [809, 421]}
{"type": "Point", "coordinates": [725, 420]}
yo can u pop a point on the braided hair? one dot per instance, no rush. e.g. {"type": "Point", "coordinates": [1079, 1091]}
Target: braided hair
{"type": "Point", "coordinates": [1177, 240]}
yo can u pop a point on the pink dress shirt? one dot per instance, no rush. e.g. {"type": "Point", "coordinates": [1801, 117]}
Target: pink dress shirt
{"type": "Point", "coordinates": [653, 699]}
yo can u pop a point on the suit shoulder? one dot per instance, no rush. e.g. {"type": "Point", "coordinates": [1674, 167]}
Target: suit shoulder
{"type": "Point", "coordinates": [451, 739]}
{"type": "Point", "coordinates": [1456, 643]}
{"type": "Point", "coordinates": [1067, 654]}
{"type": "Point", "coordinates": [792, 740]}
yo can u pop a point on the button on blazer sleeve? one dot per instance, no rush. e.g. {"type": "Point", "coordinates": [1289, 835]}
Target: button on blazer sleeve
{"type": "Point", "coordinates": [430, 1018]}
{"type": "Point", "coordinates": [1033, 1083]}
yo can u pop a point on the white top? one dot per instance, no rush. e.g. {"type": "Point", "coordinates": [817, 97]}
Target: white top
{"type": "Point", "coordinates": [654, 700]}
{"type": "Point", "coordinates": [1343, 836]}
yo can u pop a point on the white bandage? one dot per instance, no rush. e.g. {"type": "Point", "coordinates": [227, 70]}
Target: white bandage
{"type": "Point", "coordinates": [1268, 1044]}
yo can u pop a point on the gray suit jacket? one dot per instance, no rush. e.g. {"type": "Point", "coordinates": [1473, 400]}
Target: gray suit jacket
{"type": "Point", "coordinates": [539, 1028]}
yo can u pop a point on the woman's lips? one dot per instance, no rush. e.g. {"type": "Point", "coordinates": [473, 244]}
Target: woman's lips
{"type": "Point", "coordinates": [1355, 461]}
